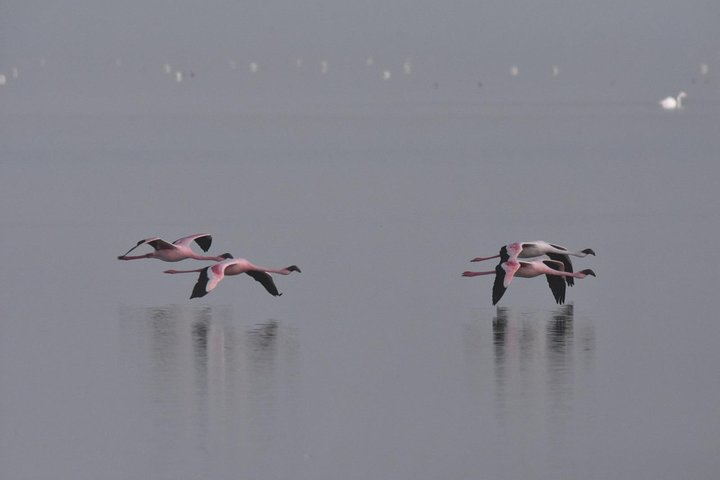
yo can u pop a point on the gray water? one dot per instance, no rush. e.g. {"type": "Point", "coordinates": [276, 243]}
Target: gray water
{"type": "Point", "coordinates": [380, 360]}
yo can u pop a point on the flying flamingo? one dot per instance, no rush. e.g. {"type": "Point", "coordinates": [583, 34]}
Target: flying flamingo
{"type": "Point", "coordinates": [673, 103]}
{"type": "Point", "coordinates": [176, 251]}
{"type": "Point", "coordinates": [515, 250]}
{"type": "Point", "coordinates": [552, 269]}
{"type": "Point", "coordinates": [211, 276]}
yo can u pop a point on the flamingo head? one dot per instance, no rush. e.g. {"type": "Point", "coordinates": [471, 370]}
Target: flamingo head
{"type": "Point", "coordinates": [224, 256]}
{"type": "Point", "coordinates": [682, 95]}
{"type": "Point", "coordinates": [588, 251]}
{"type": "Point", "coordinates": [293, 268]}
{"type": "Point", "coordinates": [587, 272]}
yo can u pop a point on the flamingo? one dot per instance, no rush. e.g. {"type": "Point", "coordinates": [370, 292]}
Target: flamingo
{"type": "Point", "coordinates": [211, 276]}
{"type": "Point", "coordinates": [515, 250]}
{"type": "Point", "coordinates": [176, 251]}
{"type": "Point", "coordinates": [673, 103]}
{"type": "Point", "coordinates": [552, 269]}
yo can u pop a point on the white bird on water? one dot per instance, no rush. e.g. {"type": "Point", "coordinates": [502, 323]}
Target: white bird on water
{"type": "Point", "coordinates": [673, 103]}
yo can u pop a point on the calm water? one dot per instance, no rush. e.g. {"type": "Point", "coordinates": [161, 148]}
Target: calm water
{"type": "Point", "coordinates": [380, 360]}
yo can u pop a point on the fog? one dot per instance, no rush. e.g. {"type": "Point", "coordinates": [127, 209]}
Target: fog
{"type": "Point", "coordinates": [379, 147]}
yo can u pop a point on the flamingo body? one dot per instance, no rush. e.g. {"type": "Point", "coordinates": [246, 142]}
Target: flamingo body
{"type": "Point", "coordinates": [211, 276]}
{"type": "Point", "coordinates": [180, 249]}
{"type": "Point", "coordinates": [515, 250]}
{"type": "Point", "coordinates": [552, 269]}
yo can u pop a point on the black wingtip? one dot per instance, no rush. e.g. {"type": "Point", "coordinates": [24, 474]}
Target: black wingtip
{"type": "Point", "coordinates": [199, 288]}
{"type": "Point", "coordinates": [198, 292]}
{"type": "Point", "coordinates": [204, 242]}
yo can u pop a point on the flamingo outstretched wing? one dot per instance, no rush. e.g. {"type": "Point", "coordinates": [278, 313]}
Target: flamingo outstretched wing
{"type": "Point", "coordinates": [556, 282]}
{"type": "Point", "coordinates": [204, 240]}
{"type": "Point", "coordinates": [156, 242]}
{"type": "Point", "coordinates": [503, 276]}
{"type": "Point", "coordinates": [208, 280]}
{"type": "Point", "coordinates": [266, 280]}
{"type": "Point", "coordinates": [567, 264]}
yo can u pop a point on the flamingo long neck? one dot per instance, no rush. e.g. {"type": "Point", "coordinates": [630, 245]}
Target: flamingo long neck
{"type": "Point", "coordinates": [281, 271]}
{"type": "Point", "coordinates": [136, 257]}
{"type": "Point", "coordinates": [196, 256]}
{"type": "Point", "coordinates": [567, 252]}
{"type": "Point", "coordinates": [679, 100]}
{"type": "Point", "coordinates": [559, 273]}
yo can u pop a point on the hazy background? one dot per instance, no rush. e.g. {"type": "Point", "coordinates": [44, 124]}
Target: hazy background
{"type": "Point", "coordinates": [380, 360]}
{"type": "Point", "coordinates": [614, 49]}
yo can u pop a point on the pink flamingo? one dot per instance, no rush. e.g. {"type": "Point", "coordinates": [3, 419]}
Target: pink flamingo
{"type": "Point", "coordinates": [552, 269]}
{"type": "Point", "coordinates": [515, 250]}
{"type": "Point", "coordinates": [176, 251]}
{"type": "Point", "coordinates": [211, 276]}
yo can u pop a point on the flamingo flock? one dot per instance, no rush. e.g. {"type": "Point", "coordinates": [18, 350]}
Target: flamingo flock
{"type": "Point", "coordinates": [210, 276]}
{"type": "Point", "coordinates": [558, 270]}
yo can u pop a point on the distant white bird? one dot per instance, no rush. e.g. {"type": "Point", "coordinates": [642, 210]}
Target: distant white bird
{"type": "Point", "coordinates": [254, 67]}
{"type": "Point", "coordinates": [3, 79]}
{"type": "Point", "coordinates": [323, 66]}
{"type": "Point", "coordinates": [514, 71]}
{"type": "Point", "coordinates": [407, 67]}
{"type": "Point", "coordinates": [387, 74]}
{"type": "Point", "coordinates": [704, 69]}
{"type": "Point", "coordinates": [555, 71]}
{"type": "Point", "coordinates": [673, 103]}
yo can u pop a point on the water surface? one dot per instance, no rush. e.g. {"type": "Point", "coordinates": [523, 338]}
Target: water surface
{"type": "Point", "coordinates": [380, 360]}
